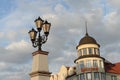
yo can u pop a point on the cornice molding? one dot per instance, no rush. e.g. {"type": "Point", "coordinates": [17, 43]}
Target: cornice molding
{"type": "Point", "coordinates": [40, 73]}
{"type": "Point", "coordinates": [40, 52]}
{"type": "Point", "coordinates": [88, 56]}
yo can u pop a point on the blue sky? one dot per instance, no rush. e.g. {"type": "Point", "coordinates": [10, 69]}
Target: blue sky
{"type": "Point", "coordinates": [68, 27]}
{"type": "Point", "coordinates": [6, 7]}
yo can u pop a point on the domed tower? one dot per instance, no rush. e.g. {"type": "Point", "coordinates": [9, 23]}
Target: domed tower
{"type": "Point", "coordinates": [89, 64]}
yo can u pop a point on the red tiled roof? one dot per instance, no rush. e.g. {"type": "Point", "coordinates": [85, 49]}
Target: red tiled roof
{"type": "Point", "coordinates": [112, 68]}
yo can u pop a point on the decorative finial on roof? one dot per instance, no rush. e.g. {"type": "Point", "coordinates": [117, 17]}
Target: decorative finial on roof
{"type": "Point", "coordinates": [86, 28]}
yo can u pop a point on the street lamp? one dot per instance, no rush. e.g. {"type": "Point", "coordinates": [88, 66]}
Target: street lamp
{"type": "Point", "coordinates": [40, 24]}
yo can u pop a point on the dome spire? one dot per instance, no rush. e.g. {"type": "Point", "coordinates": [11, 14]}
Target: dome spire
{"type": "Point", "coordinates": [87, 39]}
{"type": "Point", "coordinates": [86, 28]}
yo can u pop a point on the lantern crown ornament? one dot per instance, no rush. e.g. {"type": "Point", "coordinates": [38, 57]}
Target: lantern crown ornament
{"type": "Point", "coordinates": [35, 36]}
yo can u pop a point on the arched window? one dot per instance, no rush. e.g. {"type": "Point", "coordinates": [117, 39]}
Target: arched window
{"type": "Point", "coordinates": [95, 64]}
{"type": "Point", "coordinates": [88, 63]}
{"type": "Point", "coordinates": [103, 76]}
{"type": "Point", "coordinates": [80, 52]}
{"type": "Point", "coordinates": [113, 78]}
{"type": "Point", "coordinates": [90, 51]}
{"type": "Point", "coordinates": [81, 64]}
{"type": "Point", "coordinates": [96, 76]}
{"type": "Point", "coordinates": [84, 51]}
{"type": "Point", "coordinates": [95, 51]}
{"type": "Point", "coordinates": [98, 52]}
{"type": "Point", "coordinates": [77, 67]}
{"type": "Point", "coordinates": [82, 77]}
{"type": "Point", "coordinates": [100, 64]}
{"type": "Point", "coordinates": [89, 76]}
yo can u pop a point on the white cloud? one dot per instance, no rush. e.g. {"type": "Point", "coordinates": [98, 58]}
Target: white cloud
{"type": "Point", "coordinates": [17, 52]}
{"type": "Point", "coordinates": [18, 46]}
{"type": "Point", "coordinates": [83, 4]}
{"type": "Point", "coordinates": [113, 19]}
{"type": "Point", "coordinates": [2, 65]}
{"type": "Point", "coordinates": [59, 8]}
{"type": "Point", "coordinates": [1, 35]}
{"type": "Point", "coordinates": [114, 3]}
{"type": "Point", "coordinates": [115, 57]}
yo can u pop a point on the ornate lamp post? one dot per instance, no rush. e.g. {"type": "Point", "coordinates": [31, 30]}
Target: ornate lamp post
{"type": "Point", "coordinates": [40, 70]}
{"type": "Point", "coordinates": [40, 25]}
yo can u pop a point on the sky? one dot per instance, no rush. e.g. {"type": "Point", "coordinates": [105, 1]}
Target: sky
{"type": "Point", "coordinates": [67, 18]}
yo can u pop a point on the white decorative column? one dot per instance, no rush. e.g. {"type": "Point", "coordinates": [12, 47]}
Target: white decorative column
{"type": "Point", "coordinates": [40, 69]}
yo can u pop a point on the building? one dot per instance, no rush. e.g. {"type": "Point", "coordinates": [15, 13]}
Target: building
{"type": "Point", "coordinates": [89, 65]}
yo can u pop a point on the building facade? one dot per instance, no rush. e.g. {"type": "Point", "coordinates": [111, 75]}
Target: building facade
{"type": "Point", "coordinates": [89, 65]}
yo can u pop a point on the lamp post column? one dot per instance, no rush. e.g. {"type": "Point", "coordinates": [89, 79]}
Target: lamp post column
{"type": "Point", "coordinates": [39, 40]}
{"type": "Point", "coordinates": [40, 69]}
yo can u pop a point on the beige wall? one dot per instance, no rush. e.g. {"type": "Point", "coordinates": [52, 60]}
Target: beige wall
{"type": "Point", "coordinates": [40, 63]}
{"type": "Point", "coordinates": [52, 77]}
{"type": "Point", "coordinates": [40, 69]}
{"type": "Point", "coordinates": [63, 73]}
{"type": "Point", "coordinates": [56, 77]}
{"type": "Point", "coordinates": [40, 78]}
{"type": "Point", "coordinates": [118, 76]}
{"type": "Point", "coordinates": [71, 71]}
{"type": "Point", "coordinates": [87, 45]}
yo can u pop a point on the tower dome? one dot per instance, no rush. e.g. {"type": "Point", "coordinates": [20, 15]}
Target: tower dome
{"type": "Point", "coordinates": [87, 40]}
